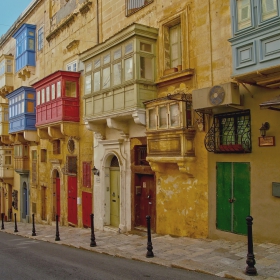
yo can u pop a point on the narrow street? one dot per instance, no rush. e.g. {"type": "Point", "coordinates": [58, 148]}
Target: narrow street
{"type": "Point", "coordinates": [23, 258]}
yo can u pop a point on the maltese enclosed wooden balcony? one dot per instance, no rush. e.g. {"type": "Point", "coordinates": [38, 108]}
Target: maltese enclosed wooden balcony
{"type": "Point", "coordinates": [58, 106]}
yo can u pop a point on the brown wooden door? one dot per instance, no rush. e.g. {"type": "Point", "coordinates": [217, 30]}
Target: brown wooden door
{"type": "Point", "coordinates": [72, 200]}
{"type": "Point", "coordinates": [87, 208]}
{"type": "Point", "coordinates": [145, 198]}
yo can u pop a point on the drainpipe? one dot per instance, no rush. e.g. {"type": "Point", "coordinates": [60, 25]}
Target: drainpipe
{"type": "Point", "coordinates": [97, 21]}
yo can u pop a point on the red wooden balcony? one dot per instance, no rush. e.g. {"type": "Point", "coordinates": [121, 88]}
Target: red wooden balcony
{"type": "Point", "coordinates": [57, 98]}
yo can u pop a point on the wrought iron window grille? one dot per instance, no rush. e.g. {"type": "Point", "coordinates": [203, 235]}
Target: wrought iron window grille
{"type": "Point", "coordinates": [230, 133]}
{"type": "Point", "coordinates": [133, 6]}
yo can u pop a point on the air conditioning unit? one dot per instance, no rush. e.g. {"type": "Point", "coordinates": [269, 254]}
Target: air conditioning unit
{"type": "Point", "coordinates": [219, 95]}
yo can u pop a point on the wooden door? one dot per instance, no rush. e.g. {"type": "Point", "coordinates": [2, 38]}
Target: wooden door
{"type": "Point", "coordinates": [24, 201]}
{"type": "Point", "coordinates": [145, 198]}
{"type": "Point", "coordinates": [233, 196]}
{"type": "Point", "coordinates": [114, 196]}
{"type": "Point", "coordinates": [87, 208]}
{"type": "Point", "coordinates": [72, 200]}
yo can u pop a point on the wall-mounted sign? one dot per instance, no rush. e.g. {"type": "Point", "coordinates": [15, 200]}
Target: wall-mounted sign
{"type": "Point", "coordinates": [266, 141]}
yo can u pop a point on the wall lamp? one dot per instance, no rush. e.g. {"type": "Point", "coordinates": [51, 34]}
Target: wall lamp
{"type": "Point", "coordinates": [265, 126]}
{"type": "Point", "coordinates": [95, 171]}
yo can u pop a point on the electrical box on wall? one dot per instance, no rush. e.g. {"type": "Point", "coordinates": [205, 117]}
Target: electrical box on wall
{"type": "Point", "coordinates": [276, 189]}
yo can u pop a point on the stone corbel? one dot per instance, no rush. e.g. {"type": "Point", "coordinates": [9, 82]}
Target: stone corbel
{"type": "Point", "coordinates": [139, 117]}
{"type": "Point", "coordinates": [187, 167]}
{"type": "Point", "coordinates": [19, 138]}
{"type": "Point", "coordinates": [55, 133]}
{"type": "Point", "coordinates": [118, 125]}
{"type": "Point", "coordinates": [5, 139]}
{"type": "Point", "coordinates": [98, 129]}
{"type": "Point", "coordinates": [31, 136]}
{"type": "Point", "coordinates": [43, 133]}
{"type": "Point", "coordinates": [70, 129]}
{"type": "Point", "coordinates": [156, 166]}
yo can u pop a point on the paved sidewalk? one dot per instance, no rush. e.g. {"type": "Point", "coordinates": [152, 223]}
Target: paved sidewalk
{"type": "Point", "coordinates": [216, 257]}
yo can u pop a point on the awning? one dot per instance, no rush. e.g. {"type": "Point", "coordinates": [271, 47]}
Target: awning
{"type": "Point", "coordinates": [273, 104]}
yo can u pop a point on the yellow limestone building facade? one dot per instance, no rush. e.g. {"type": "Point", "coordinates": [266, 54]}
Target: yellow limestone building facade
{"type": "Point", "coordinates": [138, 64]}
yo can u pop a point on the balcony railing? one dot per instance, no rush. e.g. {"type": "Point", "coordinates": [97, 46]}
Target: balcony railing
{"type": "Point", "coordinates": [132, 6]}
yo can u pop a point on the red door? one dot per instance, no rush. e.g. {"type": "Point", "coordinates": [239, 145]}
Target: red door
{"type": "Point", "coordinates": [72, 200]}
{"type": "Point", "coordinates": [57, 183]}
{"type": "Point", "coordinates": [87, 208]}
{"type": "Point", "coordinates": [145, 198]}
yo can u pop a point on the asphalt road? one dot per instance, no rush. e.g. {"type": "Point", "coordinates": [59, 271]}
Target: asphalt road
{"type": "Point", "coordinates": [23, 258]}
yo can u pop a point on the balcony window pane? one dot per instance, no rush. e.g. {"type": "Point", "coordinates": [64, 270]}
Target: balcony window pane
{"type": "Point", "coordinates": [128, 68]}
{"type": "Point", "coordinates": [70, 89]}
{"type": "Point", "coordinates": [96, 63]}
{"type": "Point", "coordinates": [128, 48]}
{"type": "Point", "coordinates": [88, 67]}
{"type": "Point", "coordinates": [243, 13]}
{"type": "Point", "coordinates": [106, 59]}
{"type": "Point", "coordinates": [53, 91]}
{"type": "Point", "coordinates": [117, 72]}
{"type": "Point", "coordinates": [269, 9]}
{"type": "Point", "coordinates": [38, 97]}
{"type": "Point", "coordinates": [162, 117]}
{"type": "Point", "coordinates": [47, 94]}
{"type": "Point", "coordinates": [30, 107]}
{"type": "Point", "coordinates": [43, 96]}
{"type": "Point", "coordinates": [58, 89]}
{"type": "Point", "coordinates": [152, 119]}
{"type": "Point", "coordinates": [146, 68]}
{"type": "Point", "coordinates": [174, 115]}
{"type": "Point", "coordinates": [117, 54]}
{"type": "Point", "coordinates": [106, 77]}
{"type": "Point", "coordinates": [96, 81]}
{"type": "Point", "coordinates": [144, 47]}
{"type": "Point", "coordinates": [31, 45]}
{"type": "Point", "coordinates": [88, 84]}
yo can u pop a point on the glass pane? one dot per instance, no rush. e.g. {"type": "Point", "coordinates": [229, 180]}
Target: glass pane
{"type": "Point", "coordinates": [243, 13]}
{"type": "Point", "coordinates": [88, 67]}
{"type": "Point", "coordinates": [128, 69]}
{"type": "Point", "coordinates": [146, 47]}
{"type": "Point", "coordinates": [43, 96]}
{"type": "Point", "coordinates": [30, 107]}
{"type": "Point", "coordinates": [152, 118]}
{"type": "Point", "coordinates": [53, 91]}
{"type": "Point", "coordinates": [106, 77]}
{"type": "Point", "coordinates": [162, 117]}
{"type": "Point", "coordinates": [96, 63]}
{"type": "Point", "coordinates": [70, 89]}
{"type": "Point", "coordinates": [269, 9]}
{"type": "Point", "coordinates": [128, 48]}
{"type": "Point", "coordinates": [174, 115]}
{"type": "Point", "coordinates": [175, 46]}
{"type": "Point", "coordinates": [58, 91]}
{"type": "Point", "coordinates": [88, 84]}
{"type": "Point", "coordinates": [117, 72]}
{"type": "Point", "coordinates": [106, 59]}
{"type": "Point", "coordinates": [146, 68]}
{"type": "Point", "coordinates": [31, 44]}
{"type": "Point", "coordinates": [38, 97]}
{"type": "Point", "coordinates": [8, 160]}
{"type": "Point", "coordinates": [96, 81]}
{"type": "Point", "coordinates": [47, 94]}
{"type": "Point", "coordinates": [117, 53]}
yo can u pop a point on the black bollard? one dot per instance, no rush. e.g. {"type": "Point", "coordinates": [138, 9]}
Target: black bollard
{"type": "Point", "coordinates": [33, 226]}
{"type": "Point", "coordinates": [150, 253]}
{"type": "Point", "coordinates": [2, 217]}
{"type": "Point", "coordinates": [57, 238]}
{"type": "Point", "coordinates": [16, 230]}
{"type": "Point", "coordinates": [92, 238]}
{"type": "Point", "coordinates": [250, 269]}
